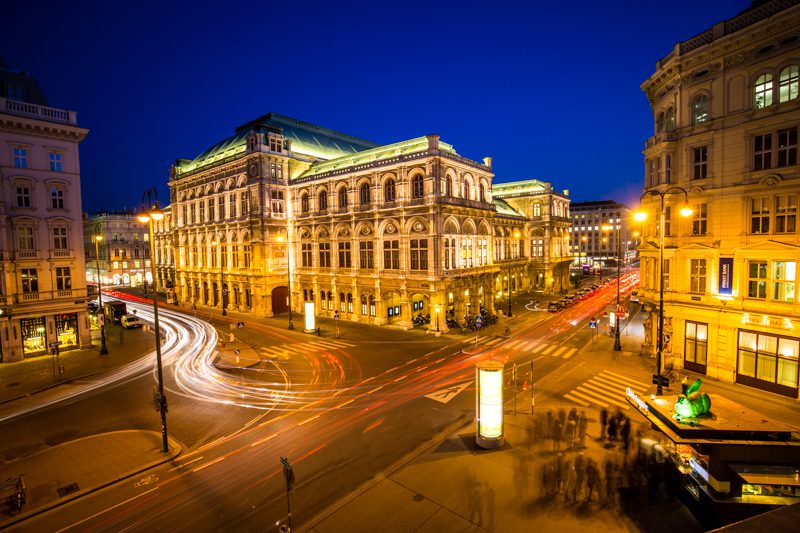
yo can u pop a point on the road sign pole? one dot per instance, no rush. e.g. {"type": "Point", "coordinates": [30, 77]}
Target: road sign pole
{"type": "Point", "coordinates": [288, 474]}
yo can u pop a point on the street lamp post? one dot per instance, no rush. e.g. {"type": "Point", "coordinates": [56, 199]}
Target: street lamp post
{"type": "Point", "coordinates": [640, 216]}
{"type": "Point", "coordinates": [152, 212]}
{"type": "Point", "coordinates": [288, 277]}
{"type": "Point", "coordinates": [97, 238]}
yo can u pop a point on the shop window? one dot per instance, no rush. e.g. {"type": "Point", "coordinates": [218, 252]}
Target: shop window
{"type": "Point", "coordinates": [34, 338]}
{"type": "Point", "coordinates": [770, 359]}
{"type": "Point", "coordinates": [67, 329]}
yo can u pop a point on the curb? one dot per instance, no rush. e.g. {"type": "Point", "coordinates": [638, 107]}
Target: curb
{"type": "Point", "coordinates": [460, 422]}
{"type": "Point", "coordinates": [175, 451]}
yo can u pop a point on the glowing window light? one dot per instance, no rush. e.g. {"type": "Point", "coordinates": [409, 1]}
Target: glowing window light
{"type": "Point", "coordinates": [310, 321]}
{"type": "Point", "coordinates": [489, 404]}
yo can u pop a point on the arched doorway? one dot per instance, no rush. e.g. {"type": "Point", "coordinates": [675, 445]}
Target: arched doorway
{"type": "Point", "coordinates": [280, 300]}
{"type": "Point", "coordinates": [393, 309]}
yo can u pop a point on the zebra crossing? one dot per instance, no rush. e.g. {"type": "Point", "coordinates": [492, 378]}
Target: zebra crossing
{"type": "Point", "coordinates": [534, 346]}
{"type": "Point", "coordinates": [282, 351]}
{"type": "Point", "coordinates": [606, 389]}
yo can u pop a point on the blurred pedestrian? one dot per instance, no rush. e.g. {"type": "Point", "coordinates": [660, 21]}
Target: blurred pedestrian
{"type": "Point", "coordinates": [561, 472]}
{"type": "Point", "coordinates": [603, 422]}
{"type": "Point", "coordinates": [562, 417]}
{"type": "Point", "coordinates": [580, 473]}
{"type": "Point", "coordinates": [612, 428]}
{"type": "Point", "coordinates": [571, 488]}
{"type": "Point", "coordinates": [583, 423]}
{"type": "Point", "coordinates": [569, 432]}
{"type": "Point", "coordinates": [558, 434]}
{"type": "Point", "coordinates": [625, 435]}
{"type": "Point", "coordinates": [549, 427]}
{"type": "Point", "coordinates": [592, 479]}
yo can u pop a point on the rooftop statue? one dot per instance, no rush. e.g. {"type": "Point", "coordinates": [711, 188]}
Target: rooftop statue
{"type": "Point", "coordinates": [693, 403]}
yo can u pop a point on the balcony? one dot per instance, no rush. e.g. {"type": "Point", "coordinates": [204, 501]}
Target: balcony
{"type": "Point", "coordinates": [61, 253]}
{"type": "Point", "coordinates": [666, 136]}
{"type": "Point", "coordinates": [27, 254]}
{"type": "Point", "coordinates": [50, 114]}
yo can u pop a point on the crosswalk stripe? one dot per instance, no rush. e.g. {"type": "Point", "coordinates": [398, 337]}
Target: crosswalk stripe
{"type": "Point", "coordinates": [527, 346]}
{"type": "Point", "coordinates": [612, 388]}
{"type": "Point", "coordinates": [570, 353]}
{"type": "Point", "coordinates": [557, 352]}
{"type": "Point", "coordinates": [495, 340]}
{"type": "Point", "coordinates": [588, 398]}
{"type": "Point", "coordinates": [608, 399]}
{"type": "Point", "coordinates": [615, 374]}
{"type": "Point", "coordinates": [549, 349]}
{"type": "Point", "coordinates": [579, 402]}
{"type": "Point", "coordinates": [273, 351]}
{"type": "Point", "coordinates": [613, 379]}
{"type": "Point", "coordinates": [514, 343]}
{"type": "Point", "coordinates": [538, 346]}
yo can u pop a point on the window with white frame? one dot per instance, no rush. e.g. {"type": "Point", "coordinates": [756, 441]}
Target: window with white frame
{"type": "Point", "coordinates": [757, 279]}
{"type": "Point", "coordinates": [759, 215]}
{"type": "Point", "coordinates": [762, 91]}
{"type": "Point", "coordinates": [54, 158]}
{"type": "Point", "coordinates": [700, 162]}
{"type": "Point", "coordinates": [784, 281]}
{"type": "Point", "coordinates": [537, 248]}
{"type": "Point", "coordinates": [23, 195]}
{"type": "Point", "coordinates": [60, 241]}
{"type": "Point", "coordinates": [20, 157]}
{"type": "Point", "coordinates": [483, 254]}
{"type": "Point", "coordinates": [787, 84]}
{"type": "Point", "coordinates": [786, 213]}
{"type": "Point", "coordinates": [700, 109]}
{"type": "Point", "coordinates": [697, 276]}
{"type": "Point", "coordinates": [25, 241]}
{"type": "Point", "coordinates": [700, 220]}
{"type": "Point", "coordinates": [466, 253]}
{"type": "Point", "coordinates": [696, 342]}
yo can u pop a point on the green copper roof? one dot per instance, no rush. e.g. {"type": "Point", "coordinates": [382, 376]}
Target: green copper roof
{"type": "Point", "coordinates": [502, 207]}
{"type": "Point", "coordinates": [305, 139]}
{"type": "Point", "coordinates": [520, 187]}
{"type": "Point", "coordinates": [418, 144]}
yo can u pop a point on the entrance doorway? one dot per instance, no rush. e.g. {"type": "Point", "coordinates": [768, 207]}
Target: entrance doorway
{"type": "Point", "coordinates": [280, 300]}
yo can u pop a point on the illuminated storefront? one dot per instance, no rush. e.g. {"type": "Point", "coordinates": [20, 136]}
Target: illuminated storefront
{"type": "Point", "coordinates": [34, 337]}
{"type": "Point", "coordinates": [67, 330]}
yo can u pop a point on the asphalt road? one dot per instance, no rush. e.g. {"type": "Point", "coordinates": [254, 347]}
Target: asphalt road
{"type": "Point", "coordinates": [341, 416]}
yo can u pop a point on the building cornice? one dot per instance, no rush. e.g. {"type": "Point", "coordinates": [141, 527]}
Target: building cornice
{"type": "Point", "coordinates": [41, 128]}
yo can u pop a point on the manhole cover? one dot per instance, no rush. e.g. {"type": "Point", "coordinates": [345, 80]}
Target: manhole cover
{"type": "Point", "coordinates": [68, 489]}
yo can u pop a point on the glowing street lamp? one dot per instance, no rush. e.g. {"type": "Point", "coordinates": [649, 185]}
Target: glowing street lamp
{"type": "Point", "coordinates": [489, 404]}
{"type": "Point", "coordinates": [97, 238]}
{"type": "Point", "coordinates": [640, 216]}
{"type": "Point", "coordinates": [152, 212]}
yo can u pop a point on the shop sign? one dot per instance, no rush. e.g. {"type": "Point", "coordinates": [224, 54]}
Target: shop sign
{"type": "Point", "coordinates": [726, 276]}
{"type": "Point", "coordinates": [769, 321]}
{"type": "Point", "coordinates": [638, 401]}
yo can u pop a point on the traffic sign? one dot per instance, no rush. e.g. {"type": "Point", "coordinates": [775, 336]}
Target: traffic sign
{"type": "Point", "coordinates": [288, 473]}
{"type": "Point", "coordinates": [593, 324]}
{"type": "Point", "coordinates": [479, 321]}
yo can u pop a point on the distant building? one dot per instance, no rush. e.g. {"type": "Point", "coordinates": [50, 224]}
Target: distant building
{"type": "Point", "coordinates": [594, 231]}
{"type": "Point", "coordinates": [726, 113]}
{"type": "Point", "coordinates": [42, 280]}
{"type": "Point", "coordinates": [378, 233]}
{"type": "Point", "coordinates": [164, 250]}
{"type": "Point", "coordinates": [124, 249]}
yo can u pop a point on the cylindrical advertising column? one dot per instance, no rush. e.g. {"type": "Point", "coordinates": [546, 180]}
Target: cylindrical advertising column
{"type": "Point", "coordinates": [310, 322]}
{"type": "Point", "coordinates": [489, 404]}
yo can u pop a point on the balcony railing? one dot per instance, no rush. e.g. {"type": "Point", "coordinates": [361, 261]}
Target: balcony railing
{"type": "Point", "coordinates": [50, 114]}
{"type": "Point", "coordinates": [27, 254]}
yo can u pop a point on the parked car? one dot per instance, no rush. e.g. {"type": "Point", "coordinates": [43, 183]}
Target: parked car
{"type": "Point", "coordinates": [93, 306]}
{"type": "Point", "coordinates": [635, 297]}
{"type": "Point", "coordinates": [130, 321]}
{"type": "Point", "coordinates": [554, 307]}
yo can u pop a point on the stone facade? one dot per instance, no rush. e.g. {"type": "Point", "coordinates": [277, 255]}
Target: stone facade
{"type": "Point", "coordinates": [42, 278]}
{"type": "Point", "coordinates": [726, 113]}
{"type": "Point", "coordinates": [124, 250]}
{"type": "Point", "coordinates": [378, 233]}
{"type": "Point", "coordinates": [598, 247]}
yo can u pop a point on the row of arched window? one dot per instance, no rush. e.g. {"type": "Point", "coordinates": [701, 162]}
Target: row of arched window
{"type": "Point", "coordinates": [389, 193]}
{"type": "Point", "coordinates": [764, 90]}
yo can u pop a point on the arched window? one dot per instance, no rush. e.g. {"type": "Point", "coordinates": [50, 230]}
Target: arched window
{"type": "Point", "coordinates": [481, 193]}
{"type": "Point", "coordinates": [670, 119]}
{"type": "Point", "coordinates": [466, 190]}
{"type": "Point", "coordinates": [448, 186]}
{"type": "Point", "coordinates": [787, 88]}
{"type": "Point", "coordinates": [700, 109]}
{"type": "Point", "coordinates": [364, 193]}
{"type": "Point", "coordinates": [323, 200]}
{"type": "Point", "coordinates": [537, 210]}
{"type": "Point", "coordinates": [660, 122]}
{"type": "Point", "coordinates": [762, 91]}
{"type": "Point", "coordinates": [304, 203]}
{"type": "Point", "coordinates": [418, 187]}
{"type": "Point", "coordinates": [389, 191]}
{"type": "Point", "coordinates": [343, 197]}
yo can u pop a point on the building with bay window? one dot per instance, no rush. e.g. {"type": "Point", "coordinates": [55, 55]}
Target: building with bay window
{"type": "Point", "coordinates": [42, 284]}
{"type": "Point", "coordinates": [285, 212]}
{"type": "Point", "coordinates": [726, 115]}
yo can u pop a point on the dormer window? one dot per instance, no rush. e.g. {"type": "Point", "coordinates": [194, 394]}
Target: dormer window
{"type": "Point", "coordinates": [275, 142]}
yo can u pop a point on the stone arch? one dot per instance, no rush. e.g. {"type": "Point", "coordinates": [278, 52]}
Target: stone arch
{"type": "Point", "coordinates": [229, 184]}
{"type": "Point", "coordinates": [391, 302]}
{"type": "Point", "coordinates": [416, 225]}
{"type": "Point", "coordinates": [484, 228]}
{"type": "Point", "coordinates": [241, 181]}
{"type": "Point", "coordinates": [389, 227]}
{"type": "Point", "coordinates": [364, 229]}
{"type": "Point", "coordinates": [451, 226]}
{"type": "Point", "coordinates": [468, 227]}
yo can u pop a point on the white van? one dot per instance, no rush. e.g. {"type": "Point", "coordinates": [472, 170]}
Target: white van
{"type": "Point", "coordinates": [131, 321]}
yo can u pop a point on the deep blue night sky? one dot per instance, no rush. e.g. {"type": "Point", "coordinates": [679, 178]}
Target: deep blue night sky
{"type": "Point", "coordinates": [550, 91]}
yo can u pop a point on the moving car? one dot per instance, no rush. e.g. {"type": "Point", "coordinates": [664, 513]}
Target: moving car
{"type": "Point", "coordinates": [130, 321]}
{"type": "Point", "coordinates": [554, 307]}
{"type": "Point", "coordinates": [635, 297]}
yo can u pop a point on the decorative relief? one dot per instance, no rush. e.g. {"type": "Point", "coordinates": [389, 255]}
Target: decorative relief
{"type": "Point", "coordinates": [323, 233]}
{"type": "Point", "coordinates": [390, 228]}
{"type": "Point", "coordinates": [365, 230]}
{"type": "Point", "coordinates": [419, 226]}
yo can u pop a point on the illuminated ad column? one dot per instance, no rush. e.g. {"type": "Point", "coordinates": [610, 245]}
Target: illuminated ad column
{"type": "Point", "coordinates": [310, 323]}
{"type": "Point", "coordinates": [489, 404]}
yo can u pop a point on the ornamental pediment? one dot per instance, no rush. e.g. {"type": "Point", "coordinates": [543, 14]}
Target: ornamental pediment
{"type": "Point", "coordinates": [767, 246]}
{"type": "Point", "coordinates": [696, 246]}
